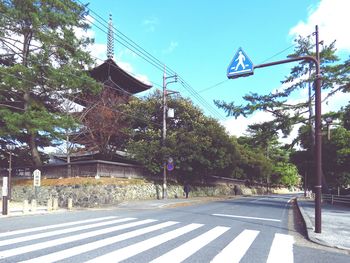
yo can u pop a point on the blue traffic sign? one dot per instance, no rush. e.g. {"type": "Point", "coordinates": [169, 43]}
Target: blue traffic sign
{"type": "Point", "coordinates": [241, 65]}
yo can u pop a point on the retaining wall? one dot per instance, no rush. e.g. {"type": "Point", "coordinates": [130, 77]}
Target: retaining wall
{"type": "Point", "coordinates": [100, 195]}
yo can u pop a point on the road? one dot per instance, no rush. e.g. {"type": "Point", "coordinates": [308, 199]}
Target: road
{"type": "Point", "coordinates": [249, 229]}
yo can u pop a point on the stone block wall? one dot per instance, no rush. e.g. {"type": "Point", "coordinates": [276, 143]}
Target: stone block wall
{"type": "Point", "coordinates": [87, 195]}
{"type": "Point", "coordinates": [99, 195]}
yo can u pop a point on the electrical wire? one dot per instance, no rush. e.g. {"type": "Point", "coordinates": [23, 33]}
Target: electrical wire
{"type": "Point", "coordinates": [275, 55]}
{"type": "Point", "coordinates": [150, 59]}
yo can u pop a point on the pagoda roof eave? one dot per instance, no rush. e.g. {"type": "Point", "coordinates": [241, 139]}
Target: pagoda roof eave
{"type": "Point", "coordinates": [110, 70]}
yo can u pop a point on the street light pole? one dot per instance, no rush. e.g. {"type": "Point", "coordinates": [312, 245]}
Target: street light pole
{"type": "Point", "coordinates": [318, 140]}
{"type": "Point", "coordinates": [165, 83]}
{"type": "Point", "coordinates": [318, 123]}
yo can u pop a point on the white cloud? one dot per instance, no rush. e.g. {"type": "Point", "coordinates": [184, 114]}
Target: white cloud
{"type": "Point", "coordinates": [150, 24]}
{"type": "Point", "coordinates": [125, 66]}
{"type": "Point", "coordinates": [98, 51]}
{"type": "Point", "coordinates": [239, 126]}
{"type": "Point", "coordinates": [80, 33]}
{"type": "Point", "coordinates": [170, 48]}
{"type": "Point", "coordinates": [332, 17]}
{"type": "Point", "coordinates": [129, 69]}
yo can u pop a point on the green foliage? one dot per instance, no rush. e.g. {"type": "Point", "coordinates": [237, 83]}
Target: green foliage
{"type": "Point", "coordinates": [256, 166]}
{"type": "Point", "coordinates": [199, 145]}
{"type": "Point", "coordinates": [335, 156]}
{"type": "Point", "coordinates": [285, 174]}
{"type": "Point", "coordinates": [43, 60]}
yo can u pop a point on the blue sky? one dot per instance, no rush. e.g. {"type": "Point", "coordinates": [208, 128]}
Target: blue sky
{"type": "Point", "coordinates": [198, 39]}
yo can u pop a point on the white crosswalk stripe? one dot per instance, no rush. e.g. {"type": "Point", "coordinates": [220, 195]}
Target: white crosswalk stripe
{"type": "Point", "coordinates": [113, 239]}
{"type": "Point", "coordinates": [60, 232]}
{"type": "Point", "coordinates": [64, 240]}
{"type": "Point", "coordinates": [35, 229]}
{"type": "Point", "coordinates": [184, 251]}
{"type": "Point", "coordinates": [234, 251]}
{"type": "Point", "coordinates": [282, 247]}
{"type": "Point", "coordinates": [127, 252]}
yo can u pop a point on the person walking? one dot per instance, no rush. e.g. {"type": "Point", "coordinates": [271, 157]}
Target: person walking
{"type": "Point", "coordinates": [186, 189]}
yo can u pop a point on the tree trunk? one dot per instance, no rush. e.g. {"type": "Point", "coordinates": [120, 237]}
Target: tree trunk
{"type": "Point", "coordinates": [34, 150]}
{"type": "Point", "coordinates": [26, 97]}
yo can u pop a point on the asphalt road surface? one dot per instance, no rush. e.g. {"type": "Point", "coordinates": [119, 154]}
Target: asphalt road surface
{"type": "Point", "coordinates": [249, 229]}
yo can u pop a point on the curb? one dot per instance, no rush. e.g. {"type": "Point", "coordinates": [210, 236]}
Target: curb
{"type": "Point", "coordinates": [39, 211]}
{"type": "Point", "coordinates": [306, 219]}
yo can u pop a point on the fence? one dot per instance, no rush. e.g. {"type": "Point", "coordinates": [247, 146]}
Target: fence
{"type": "Point", "coordinates": [336, 199]}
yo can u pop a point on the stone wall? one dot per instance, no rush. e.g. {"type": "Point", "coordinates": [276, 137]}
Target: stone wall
{"type": "Point", "coordinates": [99, 195]}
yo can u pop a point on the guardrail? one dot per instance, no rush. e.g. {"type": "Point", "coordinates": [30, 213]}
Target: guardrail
{"type": "Point", "coordinates": [336, 199]}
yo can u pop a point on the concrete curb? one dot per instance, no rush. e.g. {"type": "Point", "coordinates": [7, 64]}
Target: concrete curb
{"type": "Point", "coordinates": [306, 219]}
{"type": "Point", "coordinates": [38, 211]}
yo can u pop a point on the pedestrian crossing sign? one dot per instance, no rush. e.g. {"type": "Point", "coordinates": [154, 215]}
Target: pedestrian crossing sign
{"type": "Point", "coordinates": [240, 66]}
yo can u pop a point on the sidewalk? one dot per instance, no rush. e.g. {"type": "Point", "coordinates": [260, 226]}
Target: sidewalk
{"type": "Point", "coordinates": [18, 209]}
{"type": "Point", "coordinates": [335, 224]}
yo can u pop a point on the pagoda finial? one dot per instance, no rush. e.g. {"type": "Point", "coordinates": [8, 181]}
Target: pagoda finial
{"type": "Point", "coordinates": [110, 39]}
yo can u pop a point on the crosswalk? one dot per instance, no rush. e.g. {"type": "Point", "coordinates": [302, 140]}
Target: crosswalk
{"type": "Point", "coordinates": [116, 239]}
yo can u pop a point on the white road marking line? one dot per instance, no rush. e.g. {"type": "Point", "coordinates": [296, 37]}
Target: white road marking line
{"type": "Point", "coordinates": [61, 231]}
{"type": "Point", "coordinates": [187, 249]}
{"type": "Point", "coordinates": [132, 250]}
{"type": "Point", "coordinates": [248, 217]}
{"type": "Point", "coordinates": [34, 229]}
{"type": "Point", "coordinates": [235, 250]}
{"type": "Point", "coordinates": [281, 248]}
{"type": "Point", "coordinates": [63, 254]}
{"type": "Point", "coordinates": [65, 240]}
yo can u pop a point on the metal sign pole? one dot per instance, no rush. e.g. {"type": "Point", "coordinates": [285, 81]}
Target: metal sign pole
{"type": "Point", "coordinates": [237, 72]}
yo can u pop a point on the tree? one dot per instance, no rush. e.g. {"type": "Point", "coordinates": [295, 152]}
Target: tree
{"type": "Point", "coordinates": [41, 56]}
{"type": "Point", "coordinates": [199, 145]}
{"type": "Point", "coordinates": [102, 123]}
{"type": "Point", "coordinates": [335, 78]}
{"type": "Point", "coordinates": [336, 155]}
{"type": "Point", "coordinates": [285, 174]}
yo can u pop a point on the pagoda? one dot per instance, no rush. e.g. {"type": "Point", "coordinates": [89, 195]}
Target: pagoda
{"type": "Point", "coordinates": [101, 117]}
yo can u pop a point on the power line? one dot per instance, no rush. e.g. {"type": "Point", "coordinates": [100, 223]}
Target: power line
{"type": "Point", "coordinates": [131, 45]}
{"type": "Point", "coordinates": [213, 86]}
{"type": "Point", "coordinates": [150, 59]}
{"type": "Point", "coordinates": [275, 55]}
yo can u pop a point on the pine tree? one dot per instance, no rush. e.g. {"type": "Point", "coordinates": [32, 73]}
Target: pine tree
{"type": "Point", "coordinates": [41, 60]}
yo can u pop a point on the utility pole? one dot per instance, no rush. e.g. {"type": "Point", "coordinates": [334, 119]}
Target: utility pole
{"type": "Point", "coordinates": [165, 108]}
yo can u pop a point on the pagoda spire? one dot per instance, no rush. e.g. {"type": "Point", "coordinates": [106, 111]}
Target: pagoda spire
{"type": "Point", "coordinates": [110, 39]}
